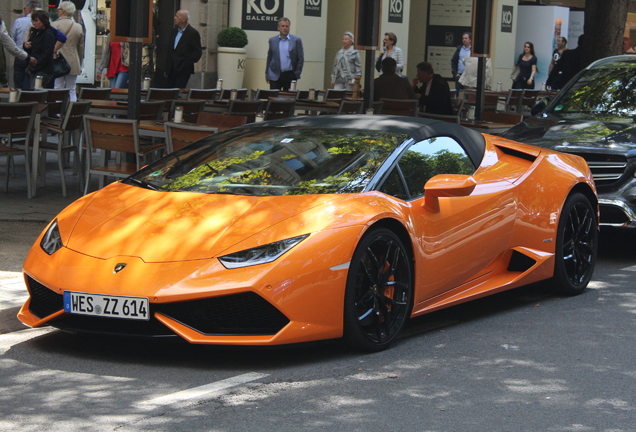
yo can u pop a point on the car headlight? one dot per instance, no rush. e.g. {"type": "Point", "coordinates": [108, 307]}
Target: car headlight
{"type": "Point", "coordinates": [260, 255]}
{"type": "Point", "coordinates": [52, 240]}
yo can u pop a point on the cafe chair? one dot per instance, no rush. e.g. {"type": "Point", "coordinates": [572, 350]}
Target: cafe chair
{"type": "Point", "coordinates": [57, 101]}
{"type": "Point", "coordinates": [191, 109]}
{"type": "Point", "coordinates": [179, 135]}
{"type": "Point", "coordinates": [17, 119]}
{"type": "Point", "coordinates": [302, 94]}
{"type": "Point", "coordinates": [350, 106]}
{"type": "Point", "coordinates": [112, 135]}
{"type": "Point", "coordinates": [163, 94]}
{"type": "Point", "coordinates": [152, 110]}
{"type": "Point", "coordinates": [264, 94]}
{"type": "Point", "coordinates": [206, 94]}
{"type": "Point", "coordinates": [400, 107]}
{"type": "Point", "coordinates": [528, 100]}
{"type": "Point", "coordinates": [248, 109]}
{"type": "Point", "coordinates": [277, 109]}
{"type": "Point", "coordinates": [94, 93]}
{"type": "Point", "coordinates": [335, 94]}
{"type": "Point", "coordinates": [221, 121]}
{"type": "Point", "coordinates": [38, 96]}
{"type": "Point", "coordinates": [376, 106]}
{"type": "Point", "coordinates": [241, 94]}
{"type": "Point", "coordinates": [513, 101]}
{"type": "Point", "coordinates": [70, 124]}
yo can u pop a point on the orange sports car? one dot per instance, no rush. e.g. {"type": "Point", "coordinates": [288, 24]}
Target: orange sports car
{"type": "Point", "coordinates": [314, 228]}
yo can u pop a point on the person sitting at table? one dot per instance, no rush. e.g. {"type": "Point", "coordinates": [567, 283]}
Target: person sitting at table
{"type": "Point", "coordinates": [434, 94]}
{"type": "Point", "coordinates": [390, 85]}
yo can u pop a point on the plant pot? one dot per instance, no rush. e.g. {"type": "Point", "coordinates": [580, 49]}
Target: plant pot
{"type": "Point", "coordinates": [231, 66]}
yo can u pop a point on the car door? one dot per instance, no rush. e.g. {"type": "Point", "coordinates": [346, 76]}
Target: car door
{"type": "Point", "coordinates": [458, 240]}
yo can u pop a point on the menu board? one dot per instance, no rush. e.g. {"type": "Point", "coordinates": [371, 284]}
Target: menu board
{"type": "Point", "coordinates": [450, 13]}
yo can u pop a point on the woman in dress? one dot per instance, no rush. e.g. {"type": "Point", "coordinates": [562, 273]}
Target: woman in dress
{"type": "Point", "coordinates": [390, 50]}
{"type": "Point", "coordinates": [73, 49]}
{"type": "Point", "coordinates": [40, 45]}
{"type": "Point", "coordinates": [525, 69]}
{"type": "Point", "coordinates": [346, 65]}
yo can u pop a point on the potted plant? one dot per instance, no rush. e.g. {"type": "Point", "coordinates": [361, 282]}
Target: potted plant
{"type": "Point", "coordinates": [231, 56]}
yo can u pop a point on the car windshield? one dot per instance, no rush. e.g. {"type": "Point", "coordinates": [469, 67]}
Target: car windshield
{"type": "Point", "coordinates": [274, 161]}
{"type": "Point", "coordinates": [609, 90]}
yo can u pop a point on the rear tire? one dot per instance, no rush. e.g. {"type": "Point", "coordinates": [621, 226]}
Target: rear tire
{"type": "Point", "coordinates": [379, 291]}
{"type": "Point", "coordinates": [576, 248]}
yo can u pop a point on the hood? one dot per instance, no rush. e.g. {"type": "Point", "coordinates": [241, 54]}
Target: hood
{"type": "Point", "coordinates": [124, 220]}
{"type": "Point", "coordinates": [584, 132]}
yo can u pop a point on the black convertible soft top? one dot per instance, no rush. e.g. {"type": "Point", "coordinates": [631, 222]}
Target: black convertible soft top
{"type": "Point", "coordinates": [417, 128]}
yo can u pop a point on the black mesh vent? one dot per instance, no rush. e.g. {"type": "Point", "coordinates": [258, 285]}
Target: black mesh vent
{"type": "Point", "coordinates": [44, 301]}
{"type": "Point", "coordinates": [520, 262]}
{"type": "Point", "coordinates": [611, 214]}
{"type": "Point", "coordinates": [239, 314]}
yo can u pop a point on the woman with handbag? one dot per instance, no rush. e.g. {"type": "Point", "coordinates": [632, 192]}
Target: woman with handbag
{"type": "Point", "coordinates": [346, 65]}
{"type": "Point", "coordinates": [73, 49]}
{"type": "Point", "coordinates": [40, 45]}
{"type": "Point", "coordinates": [525, 69]}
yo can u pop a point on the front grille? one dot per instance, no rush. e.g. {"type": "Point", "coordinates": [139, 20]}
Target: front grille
{"type": "Point", "coordinates": [238, 314]}
{"type": "Point", "coordinates": [44, 301]}
{"type": "Point", "coordinates": [606, 168]}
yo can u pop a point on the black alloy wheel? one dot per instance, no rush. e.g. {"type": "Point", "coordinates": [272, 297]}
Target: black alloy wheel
{"type": "Point", "coordinates": [379, 291]}
{"type": "Point", "coordinates": [577, 243]}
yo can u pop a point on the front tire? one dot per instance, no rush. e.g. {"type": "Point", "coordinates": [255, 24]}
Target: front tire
{"type": "Point", "coordinates": [379, 291]}
{"type": "Point", "coordinates": [577, 243]}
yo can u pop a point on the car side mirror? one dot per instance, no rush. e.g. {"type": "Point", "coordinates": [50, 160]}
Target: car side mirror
{"type": "Point", "coordinates": [540, 106]}
{"type": "Point", "coordinates": [446, 186]}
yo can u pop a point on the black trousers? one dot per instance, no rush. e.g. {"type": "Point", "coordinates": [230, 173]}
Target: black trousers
{"type": "Point", "coordinates": [284, 81]}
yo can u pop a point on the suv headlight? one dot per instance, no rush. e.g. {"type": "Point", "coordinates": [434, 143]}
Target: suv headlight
{"type": "Point", "coordinates": [52, 240]}
{"type": "Point", "coordinates": [260, 255]}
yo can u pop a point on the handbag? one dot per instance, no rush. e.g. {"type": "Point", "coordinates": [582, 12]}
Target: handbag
{"type": "Point", "coordinates": [60, 66]}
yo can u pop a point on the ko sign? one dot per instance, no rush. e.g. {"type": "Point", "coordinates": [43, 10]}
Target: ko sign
{"type": "Point", "coordinates": [506, 18]}
{"type": "Point", "coordinates": [396, 11]}
{"type": "Point", "coordinates": [262, 14]}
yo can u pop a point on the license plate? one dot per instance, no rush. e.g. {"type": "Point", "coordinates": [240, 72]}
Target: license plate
{"type": "Point", "coordinates": [106, 305]}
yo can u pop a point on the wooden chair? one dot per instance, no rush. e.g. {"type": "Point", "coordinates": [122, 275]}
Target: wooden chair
{"type": "Point", "coordinates": [111, 135]}
{"type": "Point", "coordinates": [221, 121]}
{"type": "Point", "coordinates": [179, 135]}
{"type": "Point", "coordinates": [206, 94]}
{"type": "Point", "coordinates": [264, 94]}
{"type": "Point", "coordinates": [277, 109]}
{"type": "Point", "coordinates": [513, 101]}
{"type": "Point", "coordinates": [400, 107]}
{"type": "Point", "coordinates": [70, 124]}
{"type": "Point", "coordinates": [350, 107]}
{"type": "Point", "coordinates": [248, 109]}
{"type": "Point", "coordinates": [377, 107]}
{"type": "Point", "coordinates": [57, 101]}
{"type": "Point", "coordinates": [94, 93]}
{"type": "Point", "coordinates": [335, 95]}
{"type": "Point", "coordinates": [528, 100]}
{"type": "Point", "coordinates": [191, 109]}
{"type": "Point", "coordinates": [162, 94]}
{"type": "Point", "coordinates": [151, 110]}
{"type": "Point", "coordinates": [241, 94]}
{"type": "Point", "coordinates": [38, 96]}
{"type": "Point", "coordinates": [302, 94]}
{"type": "Point", "coordinates": [17, 119]}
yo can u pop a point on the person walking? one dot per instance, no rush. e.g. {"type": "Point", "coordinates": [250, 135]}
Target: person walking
{"type": "Point", "coordinates": [73, 49]}
{"type": "Point", "coordinates": [184, 51]}
{"type": "Point", "coordinates": [457, 61]}
{"type": "Point", "coordinates": [555, 73]}
{"type": "Point", "coordinates": [346, 65]}
{"type": "Point", "coordinates": [19, 30]}
{"type": "Point", "coordinates": [7, 42]}
{"type": "Point", "coordinates": [40, 45]}
{"type": "Point", "coordinates": [285, 57]}
{"type": "Point", "coordinates": [525, 69]}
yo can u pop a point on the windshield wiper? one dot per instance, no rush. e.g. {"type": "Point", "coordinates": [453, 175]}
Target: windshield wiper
{"type": "Point", "coordinates": [144, 184]}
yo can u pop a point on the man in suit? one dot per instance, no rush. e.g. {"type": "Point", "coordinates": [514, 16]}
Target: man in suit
{"type": "Point", "coordinates": [434, 95]}
{"type": "Point", "coordinates": [183, 52]}
{"type": "Point", "coordinates": [390, 85]}
{"type": "Point", "coordinates": [285, 58]}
